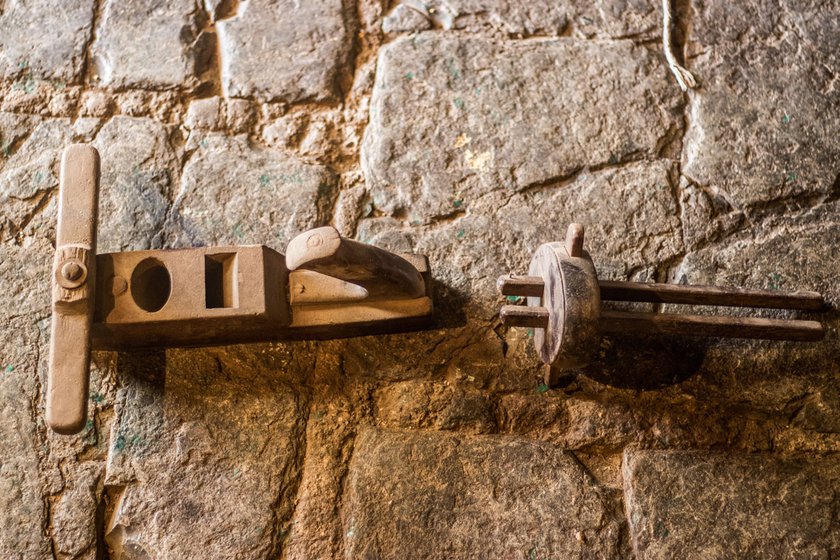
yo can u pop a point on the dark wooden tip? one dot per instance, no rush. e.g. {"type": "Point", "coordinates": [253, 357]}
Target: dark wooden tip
{"type": "Point", "coordinates": [710, 295]}
{"type": "Point", "coordinates": [522, 316]}
{"type": "Point", "coordinates": [710, 325]}
{"type": "Point", "coordinates": [531, 286]}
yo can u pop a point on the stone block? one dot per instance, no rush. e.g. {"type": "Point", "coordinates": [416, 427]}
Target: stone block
{"type": "Point", "coordinates": [286, 50]}
{"type": "Point", "coordinates": [429, 495]}
{"type": "Point", "coordinates": [763, 128]}
{"type": "Point", "coordinates": [194, 475]}
{"type": "Point", "coordinates": [417, 404]}
{"type": "Point", "coordinates": [235, 193]}
{"type": "Point", "coordinates": [155, 44]}
{"type": "Point", "coordinates": [456, 117]}
{"type": "Point", "coordinates": [597, 18]}
{"type": "Point", "coordinates": [139, 168]}
{"type": "Point", "coordinates": [695, 505]}
{"type": "Point", "coordinates": [45, 39]}
{"type": "Point", "coordinates": [23, 509]}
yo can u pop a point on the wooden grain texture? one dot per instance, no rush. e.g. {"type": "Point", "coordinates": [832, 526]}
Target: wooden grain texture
{"type": "Point", "coordinates": [524, 286]}
{"type": "Point", "coordinates": [571, 296]}
{"type": "Point", "coordinates": [710, 295]}
{"type": "Point", "coordinates": [710, 325]}
{"type": "Point", "coordinates": [524, 316]}
{"type": "Point", "coordinates": [73, 297]}
{"type": "Point", "coordinates": [380, 272]}
{"type": "Point", "coordinates": [574, 240]}
{"type": "Point", "coordinates": [310, 287]}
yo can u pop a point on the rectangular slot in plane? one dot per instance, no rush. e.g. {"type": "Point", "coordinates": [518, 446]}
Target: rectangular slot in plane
{"type": "Point", "coordinates": [221, 288]}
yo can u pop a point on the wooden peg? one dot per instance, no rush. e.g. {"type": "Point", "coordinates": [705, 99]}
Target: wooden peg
{"type": "Point", "coordinates": [525, 286]}
{"type": "Point", "coordinates": [524, 316]}
{"type": "Point", "coordinates": [574, 240]}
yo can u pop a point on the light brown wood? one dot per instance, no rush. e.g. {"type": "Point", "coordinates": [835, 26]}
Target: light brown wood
{"type": "Point", "coordinates": [358, 318]}
{"type": "Point", "coordinates": [572, 298]}
{"type": "Point", "coordinates": [73, 280]}
{"type": "Point", "coordinates": [170, 307]}
{"type": "Point", "coordinates": [162, 298]}
{"type": "Point", "coordinates": [310, 287]}
{"type": "Point", "coordinates": [381, 273]}
{"type": "Point", "coordinates": [524, 286]}
{"type": "Point", "coordinates": [574, 240]}
{"type": "Point", "coordinates": [354, 316]}
{"type": "Point", "coordinates": [524, 316]}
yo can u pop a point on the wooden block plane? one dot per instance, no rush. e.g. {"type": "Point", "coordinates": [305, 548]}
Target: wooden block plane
{"type": "Point", "coordinates": [324, 287]}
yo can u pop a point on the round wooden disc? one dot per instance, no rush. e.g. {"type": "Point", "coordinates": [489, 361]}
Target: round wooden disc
{"type": "Point", "coordinates": [573, 300]}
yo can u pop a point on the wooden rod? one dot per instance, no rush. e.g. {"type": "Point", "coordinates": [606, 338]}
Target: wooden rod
{"type": "Point", "coordinates": [523, 316]}
{"type": "Point", "coordinates": [709, 295]}
{"type": "Point", "coordinates": [521, 285]}
{"type": "Point", "coordinates": [706, 325]}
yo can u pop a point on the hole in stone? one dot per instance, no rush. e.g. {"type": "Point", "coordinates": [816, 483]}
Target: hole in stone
{"type": "Point", "coordinates": [220, 286]}
{"type": "Point", "coordinates": [150, 285]}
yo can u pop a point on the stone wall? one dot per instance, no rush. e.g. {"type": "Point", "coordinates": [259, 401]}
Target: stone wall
{"type": "Point", "coordinates": [471, 131]}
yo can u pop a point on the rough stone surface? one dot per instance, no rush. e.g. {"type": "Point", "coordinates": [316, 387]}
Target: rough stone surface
{"type": "Point", "coordinates": [44, 39]}
{"type": "Point", "coordinates": [315, 530]}
{"type": "Point", "coordinates": [797, 251]}
{"type": "Point", "coordinates": [239, 115]}
{"type": "Point", "coordinates": [195, 473]}
{"type": "Point", "coordinates": [602, 18]}
{"type": "Point", "coordinates": [139, 167]}
{"type": "Point", "coordinates": [699, 505]}
{"type": "Point", "coordinates": [149, 44]}
{"type": "Point", "coordinates": [489, 497]}
{"type": "Point", "coordinates": [406, 18]}
{"type": "Point", "coordinates": [22, 508]}
{"type": "Point", "coordinates": [441, 406]}
{"type": "Point", "coordinates": [630, 212]}
{"type": "Point", "coordinates": [205, 114]}
{"type": "Point", "coordinates": [75, 516]}
{"type": "Point", "coordinates": [286, 50]}
{"type": "Point", "coordinates": [96, 104]}
{"type": "Point", "coordinates": [349, 207]}
{"type": "Point", "coordinates": [792, 252]}
{"type": "Point", "coordinates": [235, 193]}
{"type": "Point", "coordinates": [455, 117]}
{"type": "Point", "coordinates": [216, 113]}
{"type": "Point", "coordinates": [29, 172]}
{"type": "Point", "coordinates": [763, 135]}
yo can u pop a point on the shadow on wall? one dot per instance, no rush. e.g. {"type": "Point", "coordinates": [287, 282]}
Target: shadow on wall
{"type": "Point", "coordinates": [450, 305]}
{"type": "Point", "coordinates": [647, 362]}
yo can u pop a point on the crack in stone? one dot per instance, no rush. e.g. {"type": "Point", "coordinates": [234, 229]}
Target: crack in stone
{"type": "Point", "coordinates": [294, 471]}
{"type": "Point", "coordinates": [16, 232]}
{"type": "Point", "coordinates": [87, 62]}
